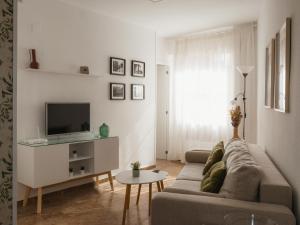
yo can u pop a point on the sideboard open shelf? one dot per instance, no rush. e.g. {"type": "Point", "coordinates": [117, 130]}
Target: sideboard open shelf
{"type": "Point", "coordinates": [47, 164]}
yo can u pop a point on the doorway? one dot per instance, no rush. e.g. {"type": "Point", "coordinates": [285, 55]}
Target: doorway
{"type": "Point", "coordinates": [162, 122]}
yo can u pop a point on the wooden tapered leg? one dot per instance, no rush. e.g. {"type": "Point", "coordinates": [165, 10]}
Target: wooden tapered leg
{"type": "Point", "coordinates": [111, 180]}
{"type": "Point", "coordinates": [39, 201]}
{"type": "Point", "coordinates": [26, 195]}
{"type": "Point", "coordinates": [158, 186]}
{"type": "Point", "coordinates": [150, 197]}
{"type": "Point", "coordinates": [126, 203]}
{"type": "Point", "coordinates": [138, 195]}
{"type": "Point", "coordinates": [162, 185]}
{"type": "Point", "coordinates": [97, 180]}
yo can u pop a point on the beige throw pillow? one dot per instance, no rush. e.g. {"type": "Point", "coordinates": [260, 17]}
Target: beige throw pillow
{"type": "Point", "coordinates": [243, 174]}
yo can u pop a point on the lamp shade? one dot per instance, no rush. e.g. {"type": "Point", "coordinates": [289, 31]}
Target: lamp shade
{"type": "Point", "coordinates": [245, 69]}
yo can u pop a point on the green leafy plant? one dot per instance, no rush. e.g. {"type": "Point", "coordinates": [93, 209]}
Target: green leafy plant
{"type": "Point", "coordinates": [136, 165]}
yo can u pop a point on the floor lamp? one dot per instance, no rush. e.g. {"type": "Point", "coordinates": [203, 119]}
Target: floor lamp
{"type": "Point", "coordinates": [244, 71]}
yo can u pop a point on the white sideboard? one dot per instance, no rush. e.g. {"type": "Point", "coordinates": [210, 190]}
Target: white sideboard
{"type": "Point", "coordinates": [42, 165]}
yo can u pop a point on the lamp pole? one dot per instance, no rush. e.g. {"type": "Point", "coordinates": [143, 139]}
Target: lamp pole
{"type": "Point", "coordinates": [244, 102]}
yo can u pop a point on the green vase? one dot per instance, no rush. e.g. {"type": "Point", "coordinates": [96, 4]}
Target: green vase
{"type": "Point", "coordinates": [104, 130]}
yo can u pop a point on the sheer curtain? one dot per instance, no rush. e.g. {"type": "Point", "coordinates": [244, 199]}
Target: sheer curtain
{"type": "Point", "coordinates": [202, 84]}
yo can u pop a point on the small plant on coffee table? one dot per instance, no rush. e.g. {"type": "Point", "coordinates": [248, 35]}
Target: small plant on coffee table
{"type": "Point", "coordinates": [136, 168]}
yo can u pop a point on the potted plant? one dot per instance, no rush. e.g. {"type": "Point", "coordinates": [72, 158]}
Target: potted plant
{"type": "Point", "coordinates": [136, 169]}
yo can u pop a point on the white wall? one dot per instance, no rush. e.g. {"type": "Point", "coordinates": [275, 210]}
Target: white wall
{"type": "Point", "coordinates": [67, 37]}
{"type": "Point", "coordinates": [162, 51]}
{"type": "Point", "coordinates": [278, 133]}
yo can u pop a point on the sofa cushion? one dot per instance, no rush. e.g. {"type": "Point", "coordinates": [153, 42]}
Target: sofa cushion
{"type": "Point", "coordinates": [191, 171]}
{"type": "Point", "coordinates": [188, 187]}
{"type": "Point", "coordinates": [214, 178]}
{"type": "Point", "coordinates": [197, 156]}
{"type": "Point", "coordinates": [243, 173]}
{"type": "Point", "coordinates": [216, 155]}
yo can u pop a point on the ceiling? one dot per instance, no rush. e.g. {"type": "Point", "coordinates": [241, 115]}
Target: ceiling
{"type": "Point", "coordinates": [174, 17]}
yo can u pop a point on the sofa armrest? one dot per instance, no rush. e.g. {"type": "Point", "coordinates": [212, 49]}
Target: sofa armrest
{"type": "Point", "coordinates": [179, 209]}
{"type": "Point", "coordinates": [197, 156]}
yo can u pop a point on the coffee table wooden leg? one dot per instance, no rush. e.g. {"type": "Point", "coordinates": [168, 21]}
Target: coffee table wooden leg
{"type": "Point", "coordinates": [26, 195]}
{"type": "Point", "coordinates": [150, 197]}
{"type": "Point", "coordinates": [111, 180]}
{"type": "Point", "coordinates": [39, 201]}
{"type": "Point", "coordinates": [97, 180]}
{"type": "Point", "coordinates": [162, 185]}
{"type": "Point", "coordinates": [138, 195]}
{"type": "Point", "coordinates": [158, 186]}
{"type": "Point", "coordinates": [126, 203]}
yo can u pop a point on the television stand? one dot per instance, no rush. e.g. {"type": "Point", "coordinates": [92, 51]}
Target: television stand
{"type": "Point", "coordinates": [59, 161]}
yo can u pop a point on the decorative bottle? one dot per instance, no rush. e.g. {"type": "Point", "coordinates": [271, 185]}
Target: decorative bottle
{"type": "Point", "coordinates": [104, 130]}
{"type": "Point", "coordinates": [33, 64]}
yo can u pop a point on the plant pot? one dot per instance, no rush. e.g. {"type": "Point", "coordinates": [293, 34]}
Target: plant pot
{"type": "Point", "coordinates": [135, 173]}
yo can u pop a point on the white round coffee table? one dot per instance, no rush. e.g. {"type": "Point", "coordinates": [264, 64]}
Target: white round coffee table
{"type": "Point", "coordinates": [146, 177]}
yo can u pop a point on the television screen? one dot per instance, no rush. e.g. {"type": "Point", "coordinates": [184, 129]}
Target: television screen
{"type": "Point", "coordinates": [64, 118]}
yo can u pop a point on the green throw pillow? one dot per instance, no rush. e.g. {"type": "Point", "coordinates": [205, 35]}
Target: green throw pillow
{"type": "Point", "coordinates": [214, 178]}
{"type": "Point", "coordinates": [216, 155]}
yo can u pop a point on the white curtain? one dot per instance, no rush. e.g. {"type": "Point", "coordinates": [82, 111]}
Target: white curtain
{"type": "Point", "coordinates": [202, 84]}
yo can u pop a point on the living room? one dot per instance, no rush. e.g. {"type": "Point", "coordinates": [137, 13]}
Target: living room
{"type": "Point", "coordinates": [149, 112]}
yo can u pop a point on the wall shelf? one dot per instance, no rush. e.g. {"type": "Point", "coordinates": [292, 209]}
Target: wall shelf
{"type": "Point", "coordinates": [63, 73]}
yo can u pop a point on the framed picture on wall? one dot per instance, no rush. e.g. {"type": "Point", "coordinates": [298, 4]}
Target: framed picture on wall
{"type": "Point", "coordinates": [269, 74]}
{"type": "Point", "coordinates": [137, 91]}
{"type": "Point", "coordinates": [282, 72]}
{"type": "Point", "coordinates": [137, 68]}
{"type": "Point", "coordinates": [117, 66]}
{"type": "Point", "coordinates": [117, 91]}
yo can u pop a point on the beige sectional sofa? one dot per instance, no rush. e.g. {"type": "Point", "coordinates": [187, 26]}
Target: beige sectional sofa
{"type": "Point", "coordinates": [183, 203]}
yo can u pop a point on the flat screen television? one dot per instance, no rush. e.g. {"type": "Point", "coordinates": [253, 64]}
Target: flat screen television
{"type": "Point", "coordinates": [66, 118]}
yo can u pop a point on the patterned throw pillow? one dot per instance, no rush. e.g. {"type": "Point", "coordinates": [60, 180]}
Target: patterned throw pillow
{"type": "Point", "coordinates": [216, 155]}
{"type": "Point", "coordinates": [214, 178]}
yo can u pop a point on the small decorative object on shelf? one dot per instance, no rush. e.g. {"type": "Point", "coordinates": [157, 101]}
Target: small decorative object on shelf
{"type": "Point", "coordinates": [33, 63]}
{"type": "Point", "coordinates": [236, 117]}
{"type": "Point", "coordinates": [84, 70]}
{"type": "Point", "coordinates": [82, 170]}
{"type": "Point", "coordinates": [71, 173]}
{"type": "Point", "coordinates": [136, 169]}
{"type": "Point", "coordinates": [75, 154]}
{"type": "Point", "coordinates": [104, 130]}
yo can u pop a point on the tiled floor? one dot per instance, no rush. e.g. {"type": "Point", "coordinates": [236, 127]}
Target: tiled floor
{"type": "Point", "coordinates": [90, 205]}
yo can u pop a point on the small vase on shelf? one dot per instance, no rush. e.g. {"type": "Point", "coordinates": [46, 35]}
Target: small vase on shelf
{"type": "Point", "coordinates": [104, 130]}
{"type": "Point", "coordinates": [82, 170]}
{"type": "Point", "coordinates": [74, 154]}
{"type": "Point", "coordinates": [33, 63]}
{"type": "Point", "coordinates": [71, 173]}
{"type": "Point", "coordinates": [136, 169]}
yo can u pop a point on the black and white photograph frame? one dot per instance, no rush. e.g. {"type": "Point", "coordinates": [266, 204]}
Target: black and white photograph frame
{"type": "Point", "coordinates": [117, 66]}
{"type": "Point", "coordinates": [138, 68]}
{"type": "Point", "coordinates": [137, 91]}
{"type": "Point", "coordinates": [283, 64]}
{"type": "Point", "coordinates": [117, 91]}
